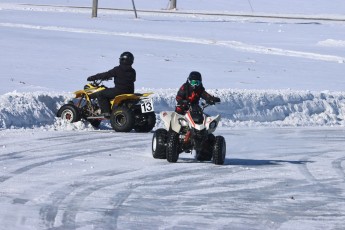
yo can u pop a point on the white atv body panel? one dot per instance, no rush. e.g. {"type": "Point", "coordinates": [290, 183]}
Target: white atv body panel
{"type": "Point", "coordinates": [171, 120]}
{"type": "Point", "coordinates": [166, 118]}
{"type": "Point", "coordinates": [208, 121]}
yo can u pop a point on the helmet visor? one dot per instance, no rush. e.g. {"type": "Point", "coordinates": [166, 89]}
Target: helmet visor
{"type": "Point", "coordinates": [194, 82]}
{"type": "Point", "coordinates": [126, 60]}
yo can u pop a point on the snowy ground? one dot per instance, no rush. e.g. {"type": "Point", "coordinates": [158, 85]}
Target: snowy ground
{"type": "Point", "coordinates": [283, 106]}
{"type": "Point", "coordinates": [273, 178]}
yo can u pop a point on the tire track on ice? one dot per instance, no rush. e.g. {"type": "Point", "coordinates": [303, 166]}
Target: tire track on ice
{"type": "Point", "coordinates": [69, 153]}
{"type": "Point", "coordinates": [339, 169]}
{"type": "Point", "coordinates": [120, 182]}
{"type": "Point", "coordinates": [13, 155]}
{"type": "Point", "coordinates": [320, 183]}
{"type": "Point", "coordinates": [48, 213]}
{"type": "Point", "coordinates": [325, 192]}
{"type": "Point", "coordinates": [66, 156]}
{"type": "Point", "coordinates": [71, 139]}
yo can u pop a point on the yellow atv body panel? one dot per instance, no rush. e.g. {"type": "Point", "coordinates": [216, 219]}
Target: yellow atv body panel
{"type": "Point", "coordinates": [124, 97]}
{"type": "Point", "coordinates": [88, 91]}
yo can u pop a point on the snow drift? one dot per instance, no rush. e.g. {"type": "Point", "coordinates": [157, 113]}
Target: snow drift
{"type": "Point", "coordinates": [238, 107]}
{"type": "Point", "coordinates": [28, 109]}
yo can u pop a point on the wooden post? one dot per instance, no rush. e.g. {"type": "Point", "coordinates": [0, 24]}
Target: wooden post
{"type": "Point", "coordinates": [94, 8]}
{"type": "Point", "coordinates": [134, 9]}
{"type": "Point", "coordinates": [172, 5]}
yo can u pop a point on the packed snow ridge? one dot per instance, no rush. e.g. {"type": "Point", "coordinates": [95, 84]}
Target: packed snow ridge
{"type": "Point", "coordinates": [237, 108]}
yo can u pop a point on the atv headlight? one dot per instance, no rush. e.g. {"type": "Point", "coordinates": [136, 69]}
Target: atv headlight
{"type": "Point", "coordinates": [182, 122]}
{"type": "Point", "coordinates": [213, 125]}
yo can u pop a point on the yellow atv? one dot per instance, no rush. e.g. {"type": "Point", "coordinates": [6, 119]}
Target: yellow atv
{"type": "Point", "coordinates": [129, 111]}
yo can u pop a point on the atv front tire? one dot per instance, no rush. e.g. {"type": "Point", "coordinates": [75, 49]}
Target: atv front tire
{"type": "Point", "coordinates": [122, 119]}
{"type": "Point", "coordinates": [206, 153]}
{"type": "Point", "coordinates": [172, 147]}
{"type": "Point", "coordinates": [219, 151]}
{"type": "Point", "coordinates": [159, 144]}
{"type": "Point", "coordinates": [203, 155]}
{"type": "Point", "coordinates": [69, 113]}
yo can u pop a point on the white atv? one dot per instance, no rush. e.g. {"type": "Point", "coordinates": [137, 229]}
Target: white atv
{"type": "Point", "coordinates": [184, 133]}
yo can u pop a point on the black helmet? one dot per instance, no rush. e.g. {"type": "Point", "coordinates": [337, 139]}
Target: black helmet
{"type": "Point", "coordinates": [194, 79]}
{"type": "Point", "coordinates": [126, 58]}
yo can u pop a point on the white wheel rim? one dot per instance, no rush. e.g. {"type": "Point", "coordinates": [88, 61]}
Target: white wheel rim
{"type": "Point", "coordinates": [154, 144]}
{"type": "Point", "coordinates": [67, 115]}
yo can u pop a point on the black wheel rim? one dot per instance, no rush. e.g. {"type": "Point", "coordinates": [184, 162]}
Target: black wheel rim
{"type": "Point", "coordinates": [120, 120]}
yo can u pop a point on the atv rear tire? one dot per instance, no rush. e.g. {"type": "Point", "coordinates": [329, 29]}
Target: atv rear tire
{"type": "Point", "coordinates": [148, 124]}
{"type": "Point", "coordinates": [172, 147]}
{"type": "Point", "coordinates": [69, 113]}
{"type": "Point", "coordinates": [122, 119]}
{"type": "Point", "coordinates": [159, 144]}
{"type": "Point", "coordinates": [219, 151]}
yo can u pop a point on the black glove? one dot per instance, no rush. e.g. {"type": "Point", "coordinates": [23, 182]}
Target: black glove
{"type": "Point", "coordinates": [212, 100]}
{"type": "Point", "coordinates": [184, 104]}
{"type": "Point", "coordinates": [90, 78]}
{"type": "Point", "coordinates": [216, 99]}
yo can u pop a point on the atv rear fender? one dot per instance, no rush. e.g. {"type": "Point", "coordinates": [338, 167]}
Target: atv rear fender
{"type": "Point", "coordinates": [126, 97]}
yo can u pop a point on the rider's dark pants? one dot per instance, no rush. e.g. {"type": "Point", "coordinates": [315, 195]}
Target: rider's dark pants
{"type": "Point", "coordinates": [104, 98]}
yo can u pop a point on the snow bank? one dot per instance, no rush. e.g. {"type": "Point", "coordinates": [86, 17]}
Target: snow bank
{"type": "Point", "coordinates": [238, 108]}
{"type": "Point", "coordinates": [270, 107]}
{"type": "Point", "coordinates": [29, 109]}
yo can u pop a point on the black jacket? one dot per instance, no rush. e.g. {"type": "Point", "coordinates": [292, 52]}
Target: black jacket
{"type": "Point", "coordinates": [124, 78]}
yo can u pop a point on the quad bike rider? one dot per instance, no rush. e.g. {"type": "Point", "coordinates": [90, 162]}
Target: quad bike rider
{"type": "Point", "coordinates": [125, 109]}
{"type": "Point", "coordinates": [189, 128]}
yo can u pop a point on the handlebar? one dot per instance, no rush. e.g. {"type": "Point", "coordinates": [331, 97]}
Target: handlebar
{"type": "Point", "coordinates": [202, 105]}
{"type": "Point", "coordinates": [205, 105]}
{"type": "Point", "coordinates": [97, 82]}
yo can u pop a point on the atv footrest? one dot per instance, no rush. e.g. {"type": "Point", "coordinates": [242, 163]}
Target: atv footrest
{"type": "Point", "coordinates": [98, 118]}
